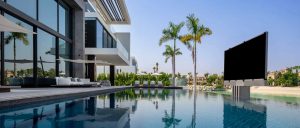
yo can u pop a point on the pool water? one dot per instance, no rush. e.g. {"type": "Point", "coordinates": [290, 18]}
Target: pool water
{"type": "Point", "coordinates": [156, 108]}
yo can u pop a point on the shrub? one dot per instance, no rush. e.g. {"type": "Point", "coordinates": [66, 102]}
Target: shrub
{"type": "Point", "coordinates": [129, 78]}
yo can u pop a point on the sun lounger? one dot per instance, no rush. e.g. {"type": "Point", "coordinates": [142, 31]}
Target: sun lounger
{"type": "Point", "coordinates": [136, 83]}
{"type": "Point", "coordinates": [105, 83]}
{"type": "Point", "coordinates": [152, 83]}
{"type": "Point", "coordinates": [152, 91]}
{"type": "Point", "coordinates": [136, 91]}
{"type": "Point", "coordinates": [159, 84]}
{"type": "Point", "coordinates": [159, 91]}
{"type": "Point", "coordinates": [145, 84]}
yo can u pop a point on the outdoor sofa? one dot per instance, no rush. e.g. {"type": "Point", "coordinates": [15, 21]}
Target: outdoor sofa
{"type": "Point", "coordinates": [74, 82]}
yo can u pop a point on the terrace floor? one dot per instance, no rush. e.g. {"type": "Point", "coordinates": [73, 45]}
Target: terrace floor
{"type": "Point", "coordinates": [19, 96]}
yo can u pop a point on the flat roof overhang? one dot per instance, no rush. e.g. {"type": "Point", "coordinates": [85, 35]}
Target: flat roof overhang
{"type": "Point", "coordinates": [113, 11]}
{"type": "Point", "coordinates": [110, 55]}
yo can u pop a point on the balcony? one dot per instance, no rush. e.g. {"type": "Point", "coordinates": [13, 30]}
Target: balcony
{"type": "Point", "coordinates": [117, 55]}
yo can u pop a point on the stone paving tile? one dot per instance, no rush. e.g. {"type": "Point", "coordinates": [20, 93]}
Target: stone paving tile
{"type": "Point", "coordinates": [22, 93]}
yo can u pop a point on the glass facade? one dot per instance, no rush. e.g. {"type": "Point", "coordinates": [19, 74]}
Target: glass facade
{"type": "Point", "coordinates": [64, 53]}
{"type": "Point", "coordinates": [109, 41]}
{"type": "Point", "coordinates": [64, 18]}
{"type": "Point", "coordinates": [26, 6]}
{"type": "Point", "coordinates": [45, 55]}
{"type": "Point", "coordinates": [18, 53]}
{"type": "Point", "coordinates": [99, 36]}
{"type": "Point", "coordinates": [105, 39]}
{"type": "Point", "coordinates": [48, 13]}
{"type": "Point", "coordinates": [29, 56]}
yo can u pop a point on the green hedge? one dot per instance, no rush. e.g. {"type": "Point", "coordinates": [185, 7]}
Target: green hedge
{"type": "Point", "coordinates": [129, 78]}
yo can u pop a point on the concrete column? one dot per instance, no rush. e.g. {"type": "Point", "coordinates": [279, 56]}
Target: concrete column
{"type": "Point", "coordinates": [112, 100]}
{"type": "Point", "coordinates": [78, 42]}
{"type": "Point", "coordinates": [112, 75]}
{"type": "Point", "coordinates": [91, 70]}
{"type": "Point", "coordinates": [35, 118]}
{"type": "Point", "coordinates": [92, 105]}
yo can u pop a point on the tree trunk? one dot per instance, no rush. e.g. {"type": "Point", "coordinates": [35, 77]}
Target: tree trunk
{"type": "Point", "coordinates": [15, 58]}
{"type": "Point", "coordinates": [174, 65]}
{"type": "Point", "coordinates": [195, 64]}
{"type": "Point", "coordinates": [173, 71]}
{"type": "Point", "coordinates": [173, 109]}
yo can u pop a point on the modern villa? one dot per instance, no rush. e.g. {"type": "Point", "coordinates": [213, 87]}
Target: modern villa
{"type": "Point", "coordinates": [73, 64]}
{"type": "Point", "coordinates": [64, 31]}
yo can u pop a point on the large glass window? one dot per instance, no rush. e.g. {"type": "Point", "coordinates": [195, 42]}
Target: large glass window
{"type": "Point", "coordinates": [114, 44]}
{"type": "Point", "coordinates": [105, 38]}
{"type": "Point", "coordinates": [64, 12]}
{"type": "Point", "coordinates": [26, 6]}
{"type": "Point", "coordinates": [18, 54]}
{"type": "Point", "coordinates": [99, 35]}
{"type": "Point", "coordinates": [64, 53]}
{"type": "Point", "coordinates": [45, 55]}
{"type": "Point", "coordinates": [109, 41]}
{"type": "Point", "coordinates": [48, 13]}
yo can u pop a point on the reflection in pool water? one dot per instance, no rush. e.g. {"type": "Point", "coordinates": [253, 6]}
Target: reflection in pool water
{"type": "Point", "coordinates": [154, 108]}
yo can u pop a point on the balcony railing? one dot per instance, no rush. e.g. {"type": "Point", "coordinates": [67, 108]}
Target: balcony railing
{"type": "Point", "coordinates": [122, 49]}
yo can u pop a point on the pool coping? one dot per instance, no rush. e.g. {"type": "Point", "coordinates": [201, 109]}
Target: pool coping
{"type": "Point", "coordinates": [169, 87]}
{"type": "Point", "coordinates": [45, 98]}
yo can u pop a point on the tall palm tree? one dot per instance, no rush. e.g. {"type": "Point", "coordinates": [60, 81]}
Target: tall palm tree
{"type": "Point", "coordinates": [170, 53]}
{"type": "Point", "coordinates": [172, 34]}
{"type": "Point", "coordinates": [157, 67]}
{"type": "Point", "coordinates": [197, 31]}
{"type": "Point", "coordinates": [13, 36]}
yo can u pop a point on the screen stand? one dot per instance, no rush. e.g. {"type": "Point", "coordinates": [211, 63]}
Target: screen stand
{"type": "Point", "coordinates": [240, 92]}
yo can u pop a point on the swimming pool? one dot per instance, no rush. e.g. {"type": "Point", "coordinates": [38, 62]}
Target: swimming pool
{"type": "Point", "coordinates": [155, 108]}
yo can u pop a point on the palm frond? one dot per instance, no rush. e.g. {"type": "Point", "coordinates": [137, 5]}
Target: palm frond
{"type": "Point", "coordinates": [8, 39]}
{"type": "Point", "coordinates": [178, 52]}
{"type": "Point", "coordinates": [18, 36]}
{"type": "Point", "coordinates": [164, 38]}
{"type": "Point", "coordinates": [186, 38]}
{"type": "Point", "coordinates": [192, 23]}
{"type": "Point", "coordinates": [171, 32]}
{"type": "Point", "coordinates": [24, 40]}
{"type": "Point", "coordinates": [166, 60]}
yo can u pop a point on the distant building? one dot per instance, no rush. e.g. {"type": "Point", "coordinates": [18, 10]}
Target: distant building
{"type": "Point", "coordinates": [271, 75]}
{"type": "Point", "coordinates": [199, 80]}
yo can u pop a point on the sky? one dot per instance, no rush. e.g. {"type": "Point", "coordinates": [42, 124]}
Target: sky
{"type": "Point", "coordinates": [231, 21]}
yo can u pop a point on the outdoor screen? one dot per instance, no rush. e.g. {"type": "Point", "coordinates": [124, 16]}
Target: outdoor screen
{"type": "Point", "coordinates": [247, 60]}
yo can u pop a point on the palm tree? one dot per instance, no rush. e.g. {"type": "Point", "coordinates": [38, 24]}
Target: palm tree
{"type": "Point", "coordinates": [197, 31]}
{"type": "Point", "coordinates": [172, 33]}
{"type": "Point", "coordinates": [13, 36]}
{"type": "Point", "coordinates": [169, 53]}
{"type": "Point", "coordinates": [157, 67]}
{"type": "Point", "coordinates": [170, 120]}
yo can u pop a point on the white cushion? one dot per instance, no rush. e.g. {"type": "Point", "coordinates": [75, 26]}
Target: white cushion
{"type": "Point", "coordinates": [248, 82]}
{"type": "Point", "coordinates": [145, 82]}
{"type": "Point", "coordinates": [259, 82]}
{"type": "Point", "coordinates": [239, 83]}
{"type": "Point", "coordinates": [232, 82]}
{"type": "Point", "coordinates": [226, 83]}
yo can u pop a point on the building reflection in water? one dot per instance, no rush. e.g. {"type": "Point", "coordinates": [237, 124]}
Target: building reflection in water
{"type": "Point", "coordinates": [245, 114]}
{"type": "Point", "coordinates": [82, 113]}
